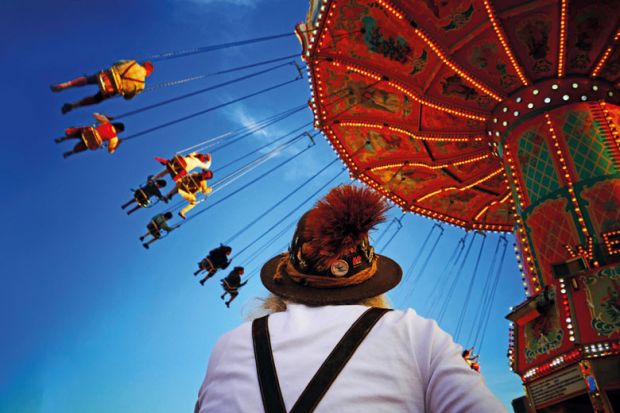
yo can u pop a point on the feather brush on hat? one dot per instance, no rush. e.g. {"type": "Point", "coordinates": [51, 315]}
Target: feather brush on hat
{"type": "Point", "coordinates": [340, 222]}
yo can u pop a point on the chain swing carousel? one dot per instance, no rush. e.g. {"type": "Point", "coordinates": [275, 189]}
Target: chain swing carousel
{"type": "Point", "coordinates": [495, 116]}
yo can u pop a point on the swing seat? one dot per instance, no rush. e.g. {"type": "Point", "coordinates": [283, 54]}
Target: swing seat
{"type": "Point", "coordinates": [91, 138]}
{"type": "Point", "coordinates": [141, 198]}
{"type": "Point", "coordinates": [227, 287]}
{"type": "Point", "coordinates": [207, 265]}
{"type": "Point", "coordinates": [189, 184]}
{"type": "Point", "coordinates": [153, 229]}
{"type": "Point", "coordinates": [176, 167]}
{"type": "Point", "coordinates": [109, 82]}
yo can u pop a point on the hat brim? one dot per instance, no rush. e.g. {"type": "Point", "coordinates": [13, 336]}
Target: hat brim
{"type": "Point", "coordinates": [388, 275]}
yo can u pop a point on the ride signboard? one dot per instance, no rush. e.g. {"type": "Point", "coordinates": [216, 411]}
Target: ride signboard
{"type": "Point", "coordinates": [556, 387]}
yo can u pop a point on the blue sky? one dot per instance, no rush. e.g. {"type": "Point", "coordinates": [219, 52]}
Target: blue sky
{"type": "Point", "coordinates": [90, 320]}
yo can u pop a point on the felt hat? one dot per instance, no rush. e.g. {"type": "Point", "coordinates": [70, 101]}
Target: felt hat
{"type": "Point", "coordinates": [330, 259]}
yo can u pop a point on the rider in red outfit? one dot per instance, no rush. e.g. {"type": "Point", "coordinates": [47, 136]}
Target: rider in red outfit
{"type": "Point", "coordinates": [95, 136]}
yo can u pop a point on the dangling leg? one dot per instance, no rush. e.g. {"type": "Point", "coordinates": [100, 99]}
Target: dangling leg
{"type": "Point", "coordinates": [87, 101]}
{"type": "Point", "coordinates": [223, 295]}
{"type": "Point", "coordinates": [146, 244]}
{"type": "Point", "coordinates": [191, 198]}
{"type": "Point", "coordinates": [187, 209]}
{"type": "Point", "coordinates": [209, 275]}
{"type": "Point", "coordinates": [233, 295]}
{"type": "Point", "coordinates": [126, 204]}
{"type": "Point", "coordinates": [154, 233]}
{"type": "Point", "coordinates": [202, 266]}
{"type": "Point", "coordinates": [172, 192]}
{"type": "Point", "coordinates": [159, 175]}
{"type": "Point", "coordinates": [70, 133]}
{"type": "Point", "coordinates": [199, 270]}
{"type": "Point", "coordinates": [79, 147]}
{"type": "Point", "coordinates": [134, 209]}
{"type": "Point", "coordinates": [80, 81]}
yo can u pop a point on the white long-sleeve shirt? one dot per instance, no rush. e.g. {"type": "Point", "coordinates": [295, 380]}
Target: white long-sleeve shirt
{"type": "Point", "coordinates": [193, 162]}
{"type": "Point", "coordinates": [405, 364]}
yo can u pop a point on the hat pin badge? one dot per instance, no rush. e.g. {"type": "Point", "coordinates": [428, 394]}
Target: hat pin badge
{"type": "Point", "coordinates": [339, 268]}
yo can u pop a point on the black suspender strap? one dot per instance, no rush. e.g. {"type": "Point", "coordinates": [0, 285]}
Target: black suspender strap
{"type": "Point", "coordinates": [267, 376]}
{"type": "Point", "coordinates": [326, 374]}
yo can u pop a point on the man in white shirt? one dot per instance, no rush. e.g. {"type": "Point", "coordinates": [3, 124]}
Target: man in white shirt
{"type": "Point", "coordinates": [331, 344]}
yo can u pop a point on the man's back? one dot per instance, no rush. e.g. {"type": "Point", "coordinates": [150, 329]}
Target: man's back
{"type": "Point", "coordinates": [405, 364]}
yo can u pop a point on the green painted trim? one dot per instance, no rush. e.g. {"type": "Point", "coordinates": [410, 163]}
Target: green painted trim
{"type": "Point", "coordinates": [589, 153]}
{"type": "Point", "coordinates": [578, 186]}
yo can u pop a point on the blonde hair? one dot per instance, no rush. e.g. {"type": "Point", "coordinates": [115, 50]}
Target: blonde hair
{"type": "Point", "coordinates": [274, 304]}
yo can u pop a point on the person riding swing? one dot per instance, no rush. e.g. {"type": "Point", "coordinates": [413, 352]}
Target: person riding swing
{"type": "Point", "coordinates": [155, 227]}
{"type": "Point", "coordinates": [94, 137]}
{"type": "Point", "coordinates": [142, 196]}
{"type": "Point", "coordinates": [179, 166]}
{"type": "Point", "coordinates": [329, 315]}
{"type": "Point", "coordinates": [471, 359]}
{"type": "Point", "coordinates": [189, 186]}
{"type": "Point", "coordinates": [216, 260]}
{"type": "Point", "coordinates": [125, 78]}
{"type": "Point", "coordinates": [232, 283]}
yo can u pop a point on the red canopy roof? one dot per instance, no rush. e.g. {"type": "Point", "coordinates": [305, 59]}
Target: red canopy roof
{"type": "Point", "coordinates": [405, 90]}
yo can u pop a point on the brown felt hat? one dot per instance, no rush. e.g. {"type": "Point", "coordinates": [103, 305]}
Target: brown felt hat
{"type": "Point", "coordinates": [330, 259]}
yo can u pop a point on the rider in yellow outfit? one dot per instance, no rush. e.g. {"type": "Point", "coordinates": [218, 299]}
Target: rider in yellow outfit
{"type": "Point", "coordinates": [189, 186]}
{"type": "Point", "coordinates": [125, 78]}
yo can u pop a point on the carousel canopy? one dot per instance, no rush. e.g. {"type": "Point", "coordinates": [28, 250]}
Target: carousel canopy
{"type": "Point", "coordinates": [410, 93]}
